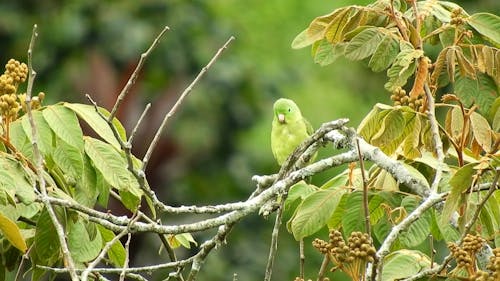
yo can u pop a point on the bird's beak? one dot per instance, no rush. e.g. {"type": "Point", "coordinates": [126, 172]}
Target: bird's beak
{"type": "Point", "coordinates": [281, 118]}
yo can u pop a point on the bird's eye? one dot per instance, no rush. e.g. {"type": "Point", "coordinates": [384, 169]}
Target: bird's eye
{"type": "Point", "coordinates": [289, 109]}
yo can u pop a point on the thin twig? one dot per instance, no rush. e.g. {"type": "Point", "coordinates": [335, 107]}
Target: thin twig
{"type": "Point", "coordinates": [302, 258]}
{"type": "Point", "coordinates": [105, 249]}
{"type": "Point", "coordinates": [127, 257]}
{"type": "Point", "coordinates": [274, 242]}
{"type": "Point", "coordinates": [68, 261]}
{"type": "Point", "coordinates": [365, 191]}
{"type": "Point", "coordinates": [135, 74]}
{"type": "Point", "coordinates": [139, 122]}
{"type": "Point", "coordinates": [179, 101]}
{"type": "Point", "coordinates": [438, 144]}
{"type": "Point", "coordinates": [323, 268]}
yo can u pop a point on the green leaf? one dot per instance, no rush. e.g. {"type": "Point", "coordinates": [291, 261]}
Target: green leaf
{"type": "Point", "coordinates": [110, 164]}
{"type": "Point", "coordinates": [325, 53]}
{"type": "Point", "coordinates": [299, 190]}
{"type": "Point", "coordinates": [459, 182]}
{"type": "Point", "coordinates": [385, 54]}
{"type": "Point", "coordinates": [335, 221]}
{"type": "Point", "coordinates": [117, 252]}
{"type": "Point", "coordinates": [411, 142]}
{"type": "Point", "coordinates": [47, 247]}
{"type": "Point", "coordinates": [97, 123]}
{"type": "Point", "coordinates": [183, 239]}
{"type": "Point", "coordinates": [10, 230]}
{"type": "Point", "coordinates": [81, 246]}
{"type": "Point", "coordinates": [335, 30]}
{"type": "Point", "coordinates": [20, 140]}
{"type": "Point", "coordinates": [23, 186]}
{"type": "Point", "coordinates": [364, 44]}
{"type": "Point", "coordinates": [398, 75]}
{"type": "Point", "coordinates": [302, 40]}
{"type": "Point", "coordinates": [130, 200]}
{"type": "Point", "coordinates": [354, 218]}
{"type": "Point", "coordinates": [486, 24]}
{"type": "Point", "coordinates": [86, 190]}
{"type": "Point", "coordinates": [314, 212]}
{"type": "Point", "coordinates": [418, 231]}
{"type": "Point", "coordinates": [8, 186]}
{"type": "Point", "coordinates": [482, 91]}
{"type": "Point", "coordinates": [44, 133]}
{"type": "Point", "coordinates": [370, 125]}
{"type": "Point", "coordinates": [402, 264]}
{"type": "Point", "coordinates": [69, 159]}
{"type": "Point", "coordinates": [64, 124]}
{"type": "Point", "coordinates": [337, 181]}
{"type": "Point", "coordinates": [391, 128]}
{"type": "Point", "coordinates": [481, 130]}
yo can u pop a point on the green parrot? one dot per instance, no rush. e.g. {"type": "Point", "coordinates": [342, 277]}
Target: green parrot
{"type": "Point", "coordinates": [289, 129]}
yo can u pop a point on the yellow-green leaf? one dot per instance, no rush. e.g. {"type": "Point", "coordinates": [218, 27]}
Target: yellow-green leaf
{"type": "Point", "coordinates": [391, 128]}
{"type": "Point", "coordinates": [481, 130]}
{"type": "Point", "coordinates": [97, 123]}
{"type": "Point", "coordinates": [314, 212]}
{"type": "Point", "coordinates": [64, 124]}
{"type": "Point", "coordinates": [11, 231]}
{"type": "Point", "coordinates": [363, 44]}
{"type": "Point", "coordinates": [486, 24]}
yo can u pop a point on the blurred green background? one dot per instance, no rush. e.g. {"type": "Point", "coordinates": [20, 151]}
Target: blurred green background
{"type": "Point", "coordinates": [220, 136]}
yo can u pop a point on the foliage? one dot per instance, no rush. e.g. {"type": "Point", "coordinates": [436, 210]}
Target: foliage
{"type": "Point", "coordinates": [399, 36]}
{"type": "Point", "coordinates": [54, 179]}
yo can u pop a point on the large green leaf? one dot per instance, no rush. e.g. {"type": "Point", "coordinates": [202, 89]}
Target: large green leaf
{"type": "Point", "coordinates": [486, 24]}
{"type": "Point", "coordinates": [325, 53]}
{"type": "Point", "coordinates": [117, 252]}
{"type": "Point", "coordinates": [370, 125]}
{"type": "Point", "coordinates": [459, 183]}
{"type": "Point", "coordinates": [391, 128]}
{"type": "Point", "coordinates": [86, 190]}
{"type": "Point", "coordinates": [385, 54]}
{"type": "Point", "coordinates": [69, 159]}
{"type": "Point", "coordinates": [110, 163]}
{"type": "Point", "coordinates": [314, 212]}
{"type": "Point", "coordinates": [20, 140]}
{"type": "Point", "coordinates": [481, 91]}
{"type": "Point", "coordinates": [113, 168]}
{"type": "Point", "coordinates": [44, 133]}
{"type": "Point", "coordinates": [64, 124]}
{"type": "Point", "coordinates": [97, 123]}
{"type": "Point", "coordinates": [11, 231]}
{"type": "Point", "coordinates": [364, 44]}
{"type": "Point", "coordinates": [23, 186]}
{"type": "Point", "coordinates": [404, 263]}
{"type": "Point", "coordinates": [419, 230]}
{"type": "Point", "coordinates": [47, 247]}
{"type": "Point", "coordinates": [354, 218]}
{"type": "Point", "coordinates": [82, 247]}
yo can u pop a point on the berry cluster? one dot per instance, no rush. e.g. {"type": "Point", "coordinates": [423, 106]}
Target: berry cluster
{"type": "Point", "coordinates": [466, 257]}
{"type": "Point", "coordinates": [350, 257]}
{"type": "Point", "coordinates": [457, 18]}
{"type": "Point", "coordinates": [15, 73]}
{"type": "Point", "coordinates": [464, 260]}
{"type": "Point", "coordinates": [10, 101]}
{"type": "Point", "coordinates": [399, 97]}
{"type": "Point", "coordinates": [494, 265]}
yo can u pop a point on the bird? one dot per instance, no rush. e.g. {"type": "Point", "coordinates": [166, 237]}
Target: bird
{"type": "Point", "coordinates": [289, 129]}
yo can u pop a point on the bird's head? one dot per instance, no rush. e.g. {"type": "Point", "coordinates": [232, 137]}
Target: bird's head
{"type": "Point", "coordinates": [286, 111]}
